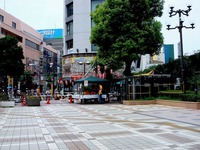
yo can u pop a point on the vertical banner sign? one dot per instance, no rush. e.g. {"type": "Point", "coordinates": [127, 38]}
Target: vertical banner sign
{"type": "Point", "coordinates": [10, 81]}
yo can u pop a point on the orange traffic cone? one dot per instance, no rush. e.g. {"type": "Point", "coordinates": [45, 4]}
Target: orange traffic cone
{"type": "Point", "coordinates": [48, 100]}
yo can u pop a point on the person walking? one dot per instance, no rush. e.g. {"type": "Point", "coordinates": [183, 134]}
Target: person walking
{"type": "Point", "coordinates": [100, 94]}
{"type": "Point", "coordinates": [15, 91]}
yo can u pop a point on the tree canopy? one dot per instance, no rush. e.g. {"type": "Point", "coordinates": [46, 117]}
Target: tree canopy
{"type": "Point", "coordinates": [126, 29]}
{"type": "Point", "coordinates": [11, 56]}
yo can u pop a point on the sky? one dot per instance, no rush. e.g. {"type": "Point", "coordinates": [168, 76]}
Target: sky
{"type": "Point", "coordinates": [48, 14]}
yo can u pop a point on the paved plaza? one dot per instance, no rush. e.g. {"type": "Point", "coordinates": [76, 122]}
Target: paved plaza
{"type": "Point", "coordinates": [62, 126]}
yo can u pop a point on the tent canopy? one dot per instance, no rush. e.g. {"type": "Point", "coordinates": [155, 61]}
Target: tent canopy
{"type": "Point", "coordinates": [91, 79]}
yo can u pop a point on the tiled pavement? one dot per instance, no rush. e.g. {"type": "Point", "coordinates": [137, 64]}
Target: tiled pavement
{"type": "Point", "coordinates": [62, 126]}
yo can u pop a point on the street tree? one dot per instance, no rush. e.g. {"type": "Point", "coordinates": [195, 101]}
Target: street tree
{"type": "Point", "coordinates": [126, 29]}
{"type": "Point", "coordinates": [11, 56]}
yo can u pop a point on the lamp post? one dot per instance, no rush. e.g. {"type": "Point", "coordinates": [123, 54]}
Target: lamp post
{"type": "Point", "coordinates": [53, 73]}
{"type": "Point", "coordinates": [180, 12]}
{"type": "Point", "coordinates": [84, 63]}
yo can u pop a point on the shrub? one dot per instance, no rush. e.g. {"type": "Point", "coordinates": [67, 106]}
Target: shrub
{"type": "Point", "coordinates": [3, 97]}
{"type": "Point", "coordinates": [190, 97]}
{"type": "Point", "coordinates": [147, 98]}
{"type": "Point", "coordinates": [33, 97]}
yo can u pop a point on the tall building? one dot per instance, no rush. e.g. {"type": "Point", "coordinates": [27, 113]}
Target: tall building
{"type": "Point", "coordinates": [32, 43]}
{"type": "Point", "coordinates": [77, 30]}
{"type": "Point", "coordinates": [146, 61]}
{"type": "Point", "coordinates": [169, 52]}
{"type": "Point", "coordinates": [77, 25]}
{"type": "Point", "coordinates": [54, 37]}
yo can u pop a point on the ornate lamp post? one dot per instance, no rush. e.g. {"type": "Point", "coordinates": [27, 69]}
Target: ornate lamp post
{"type": "Point", "coordinates": [180, 12]}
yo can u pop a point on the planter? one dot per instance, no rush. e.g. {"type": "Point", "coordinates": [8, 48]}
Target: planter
{"type": "Point", "coordinates": [33, 102]}
{"type": "Point", "coordinates": [7, 103]}
{"type": "Point", "coordinates": [139, 102]}
{"type": "Point", "coordinates": [184, 104]}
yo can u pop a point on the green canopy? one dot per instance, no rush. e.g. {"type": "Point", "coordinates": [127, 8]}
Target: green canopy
{"type": "Point", "coordinates": [91, 79]}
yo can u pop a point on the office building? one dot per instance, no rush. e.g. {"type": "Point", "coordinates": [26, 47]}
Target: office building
{"type": "Point", "coordinates": [31, 41]}
{"type": "Point", "coordinates": [77, 30]}
{"type": "Point", "coordinates": [54, 38]}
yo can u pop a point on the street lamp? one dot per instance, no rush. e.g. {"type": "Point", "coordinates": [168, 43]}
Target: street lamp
{"type": "Point", "coordinates": [36, 67]}
{"type": "Point", "coordinates": [53, 73]}
{"type": "Point", "coordinates": [84, 63]}
{"type": "Point", "coordinates": [180, 12]}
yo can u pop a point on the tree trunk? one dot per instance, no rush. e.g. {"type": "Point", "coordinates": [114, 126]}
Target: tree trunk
{"type": "Point", "coordinates": [127, 71]}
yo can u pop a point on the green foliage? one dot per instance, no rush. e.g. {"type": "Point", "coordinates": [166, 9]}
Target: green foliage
{"type": "Point", "coordinates": [3, 97]}
{"type": "Point", "coordinates": [195, 79]}
{"type": "Point", "coordinates": [49, 77]}
{"type": "Point", "coordinates": [166, 97]}
{"type": "Point", "coordinates": [147, 98]}
{"type": "Point", "coordinates": [191, 70]}
{"type": "Point", "coordinates": [179, 96]}
{"type": "Point", "coordinates": [133, 32]}
{"type": "Point", "coordinates": [11, 57]}
{"type": "Point", "coordinates": [33, 97]}
{"type": "Point", "coordinates": [172, 94]}
{"type": "Point", "coordinates": [146, 70]}
{"type": "Point", "coordinates": [189, 97]}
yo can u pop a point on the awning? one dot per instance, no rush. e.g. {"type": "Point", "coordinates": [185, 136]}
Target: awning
{"type": "Point", "coordinates": [92, 79]}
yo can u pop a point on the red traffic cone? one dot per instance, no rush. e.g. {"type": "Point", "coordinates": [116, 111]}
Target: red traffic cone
{"type": "Point", "coordinates": [24, 102]}
{"type": "Point", "coordinates": [70, 99]}
{"type": "Point", "coordinates": [48, 100]}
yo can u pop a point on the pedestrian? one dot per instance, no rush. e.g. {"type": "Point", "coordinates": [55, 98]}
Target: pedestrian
{"type": "Point", "coordinates": [15, 91]}
{"type": "Point", "coordinates": [100, 94]}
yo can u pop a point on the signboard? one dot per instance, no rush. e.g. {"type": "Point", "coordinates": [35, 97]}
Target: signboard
{"type": "Point", "coordinates": [51, 33]}
{"type": "Point", "coordinates": [10, 81]}
{"type": "Point", "coordinates": [85, 82]}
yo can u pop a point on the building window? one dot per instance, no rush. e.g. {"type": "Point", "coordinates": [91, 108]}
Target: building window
{"type": "Point", "coordinates": [69, 44]}
{"type": "Point", "coordinates": [1, 18]}
{"type": "Point", "coordinates": [93, 47]}
{"type": "Point", "coordinates": [69, 28]}
{"type": "Point", "coordinates": [14, 25]}
{"type": "Point", "coordinates": [31, 44]}
{"type": "Point", "coordinates": [69, 9]}
{"type": "Point", "coordinates": [94, 3]}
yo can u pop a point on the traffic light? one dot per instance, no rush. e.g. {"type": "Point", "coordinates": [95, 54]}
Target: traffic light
{"type": "Point", "coordinates": [41, 61]}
